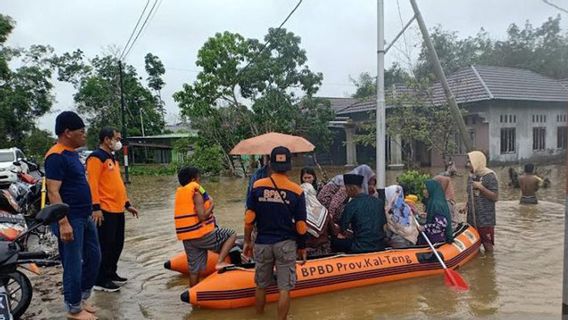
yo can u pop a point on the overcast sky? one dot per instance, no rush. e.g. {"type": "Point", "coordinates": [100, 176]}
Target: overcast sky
{"type": "Point", "coordinates": [339, 36]}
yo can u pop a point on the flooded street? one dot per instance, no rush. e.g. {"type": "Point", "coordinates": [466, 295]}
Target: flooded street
{"type": "Point", "coordinates": [522, 280]}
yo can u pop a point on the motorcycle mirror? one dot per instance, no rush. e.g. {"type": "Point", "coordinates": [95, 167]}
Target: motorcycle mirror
{"type": "Point", "coordinates": [52, 213]}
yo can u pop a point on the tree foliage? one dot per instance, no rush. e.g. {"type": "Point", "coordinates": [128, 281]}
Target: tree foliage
{"type": "Point", "coordinates": [37, 143]}
{"type": "Point", "coordinates": [543, 49]}
{"type": "Point", "coordinates": [98, 94]}
{"type": "Point", "coordinates": [367, 84]}
{"type": "Point", "coordinates": [246, 88]}
{"type": "Point", "coordinates": [25, 92]}
{"type": "Point", "coordinates": [155, 70]}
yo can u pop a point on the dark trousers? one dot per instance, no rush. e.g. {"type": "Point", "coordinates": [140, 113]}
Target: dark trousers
{"type": "Point", "coordinates": [111, 238]}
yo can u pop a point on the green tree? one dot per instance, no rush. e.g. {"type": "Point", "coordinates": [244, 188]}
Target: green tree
{"type": "Point", "coordinates": [246, 89]}
{"type": "Point", "coordinates": [414, 119]}
{"type": "Point", "coordinates": [367, 84]}
{"type": "Point", "coordinates": [155, 70]}
{"type": "Point", "coordinates": [25, 92]}
{"type": "Point", "coordinates": [98, 95]}
{"type": "Point", "coordinates": [37, 143]}
{"type": "Point", "coordinates": [543, 49]}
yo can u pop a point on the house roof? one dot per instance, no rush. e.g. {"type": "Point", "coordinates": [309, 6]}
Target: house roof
{"type": "Point", "coordinates": [177, 135]}
{"type": "Point", "coordinates": [479, 83]}
{"type": "Point", "coordinates": [564, 82]}
{"type": "Point", "coordinates": [337, 103]}
{"type": "Point", "coordinates": [370, 104]}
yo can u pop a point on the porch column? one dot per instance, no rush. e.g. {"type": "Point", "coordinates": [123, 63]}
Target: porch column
{"type": "Point", "coordinates": [350, 147]}
{"type": "Point", "coordinates": [396, 153]}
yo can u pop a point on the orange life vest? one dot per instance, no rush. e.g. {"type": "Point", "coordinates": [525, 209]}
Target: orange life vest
{"type": "Point", "coordinates": [187, 221]}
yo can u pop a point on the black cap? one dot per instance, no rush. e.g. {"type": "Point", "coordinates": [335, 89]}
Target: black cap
{"type": "Point", "coordinates": [68, 120]}
{"type": "Point", "coordinates": [281, 159]}
{"type": "Point", "coordinates": [353, 179]}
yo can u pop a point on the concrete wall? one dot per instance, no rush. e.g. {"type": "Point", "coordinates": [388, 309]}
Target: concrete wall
{"type": "Point", "coordinates": [487, 127]}
{"type": "Point", "coordinates": [524, 125]}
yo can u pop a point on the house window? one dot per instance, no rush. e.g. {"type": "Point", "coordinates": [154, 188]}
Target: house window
{"type": "Point", "coordinates": [508, 118]}
{"type": "Point", "coordinates": [562, 137]}
{"type": "Point", "coordinates": [539, 138]}
{"type": "Point", "coordinates": [538, 118]}
{"type": "Point", "coordinates": [508, 140]}
{"type": "Point", "coordinates": [561, 118]}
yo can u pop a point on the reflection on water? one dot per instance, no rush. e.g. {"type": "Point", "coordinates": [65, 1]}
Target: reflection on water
{"type": "Point", "coordinates": [522, 279]}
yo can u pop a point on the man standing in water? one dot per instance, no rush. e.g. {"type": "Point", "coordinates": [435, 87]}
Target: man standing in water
{"type": "Point", "coordinates": [77, 233]}
{"type": "Point", "coordinates": [529, 183]}
{"type": "Point", "coordinates": [277, 207]}
{"type": "Point", "coordinates": [483, 192]}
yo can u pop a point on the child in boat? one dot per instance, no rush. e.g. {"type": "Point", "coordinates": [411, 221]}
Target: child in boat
{"type": "Point", "coordinates": [196, 227]}
{"type": "Point", "coordinates": [438, 226]}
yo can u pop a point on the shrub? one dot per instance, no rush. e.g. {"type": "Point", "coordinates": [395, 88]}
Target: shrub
{"type": "Point", "coordinates": [413, 182]}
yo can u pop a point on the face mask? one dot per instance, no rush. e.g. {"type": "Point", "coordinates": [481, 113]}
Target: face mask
{"type": "Point", "coordinates": [117, 146]}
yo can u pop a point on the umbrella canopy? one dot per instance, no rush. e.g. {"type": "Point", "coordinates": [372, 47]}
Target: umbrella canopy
{"type": "Point", "coordinates": [264, 144]}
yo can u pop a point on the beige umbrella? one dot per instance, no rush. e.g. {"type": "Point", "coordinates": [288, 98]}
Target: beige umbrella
{"type": "Point", "coordinates": [264, 144]}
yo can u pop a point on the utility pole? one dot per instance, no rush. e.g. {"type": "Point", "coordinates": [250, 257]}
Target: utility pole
{"type": "Point", "coordinates": [565, 273]}
{"type": "Point", "coordinates": [124, 133]}
{"type": "Point", "coordinates": [381, 114]}
{"type": "Point", "coordinates": [454, 110]}
{"type": "Point", "coordinates": [142, 123]}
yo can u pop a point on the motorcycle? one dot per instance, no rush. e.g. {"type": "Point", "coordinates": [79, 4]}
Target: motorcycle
{"type": "Point", "coordinates": [28, 191]}
{"type": "Point", "coordinates": [15, 287]}
{"type": "Point", "coordinates": [28, 188]}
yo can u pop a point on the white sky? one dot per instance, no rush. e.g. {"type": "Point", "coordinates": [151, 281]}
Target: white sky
{"type": "Point", "coordinates": [339, 36]}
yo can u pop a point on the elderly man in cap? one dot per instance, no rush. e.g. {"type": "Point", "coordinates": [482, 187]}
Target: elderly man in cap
{"type": "Point", "coordinates": [365, 215]}
{"type": "Point", "coordinates": [277, 207]}
{"type": "Point", "coordinates": [77, 233]}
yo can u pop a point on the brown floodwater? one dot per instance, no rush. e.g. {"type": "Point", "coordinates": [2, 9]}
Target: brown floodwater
{"type": "Point", "coordinates": [521, 280]}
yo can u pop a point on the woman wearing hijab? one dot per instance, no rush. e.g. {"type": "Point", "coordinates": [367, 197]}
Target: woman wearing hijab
{"type": "Point", "coordinates": [448, 188]}
{"type": "Point", "coordinates": [438, 226]}
{"type": "Point", "coordinates": [483, 192]}
{"type": "Point", "coordinates": [333, 195]}
{"type": "Point", "coordinates": [320, 226]}
{"type": "Point", "coordinates": [402, 232]}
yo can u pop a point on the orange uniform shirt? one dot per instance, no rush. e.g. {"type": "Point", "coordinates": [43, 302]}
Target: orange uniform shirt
{"type": "Point", "coordinates": [107, 188]}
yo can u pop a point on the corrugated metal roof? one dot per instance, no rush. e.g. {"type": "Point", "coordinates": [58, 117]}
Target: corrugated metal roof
{"type": "Point", "coordinates": [479, 83]}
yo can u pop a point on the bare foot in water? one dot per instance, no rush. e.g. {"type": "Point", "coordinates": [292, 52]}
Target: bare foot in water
{"type": "Point", "coordinates": [89, 307]}
{"type": "Point", "coordinates": [83, 315]}
{"type": "Point", "coordinates": [221, 265]}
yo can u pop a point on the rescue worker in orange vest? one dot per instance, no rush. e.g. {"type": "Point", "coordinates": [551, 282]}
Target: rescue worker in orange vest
{"type": "Point", "coordinates": [109, 202]}
{"type": "Point", "coordinates": [196, 227]}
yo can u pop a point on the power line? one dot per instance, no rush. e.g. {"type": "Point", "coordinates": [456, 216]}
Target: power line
{"type": "Point", "coordinates": [555, 6]}
{"type": "Point", "coordinates": [157, 8]}
{"type": "Point", "coordinates": [268, 41]}
{"type": "Point", "coordinates": [134, 30]}
{"type": "Point", "coordinates": [141, 29]}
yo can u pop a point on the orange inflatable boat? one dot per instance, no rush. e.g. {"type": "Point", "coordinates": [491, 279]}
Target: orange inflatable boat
{"type": "Point", "coordinates": [179, 263]}
{"type": "Point", "coordinates": [235, 287]}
